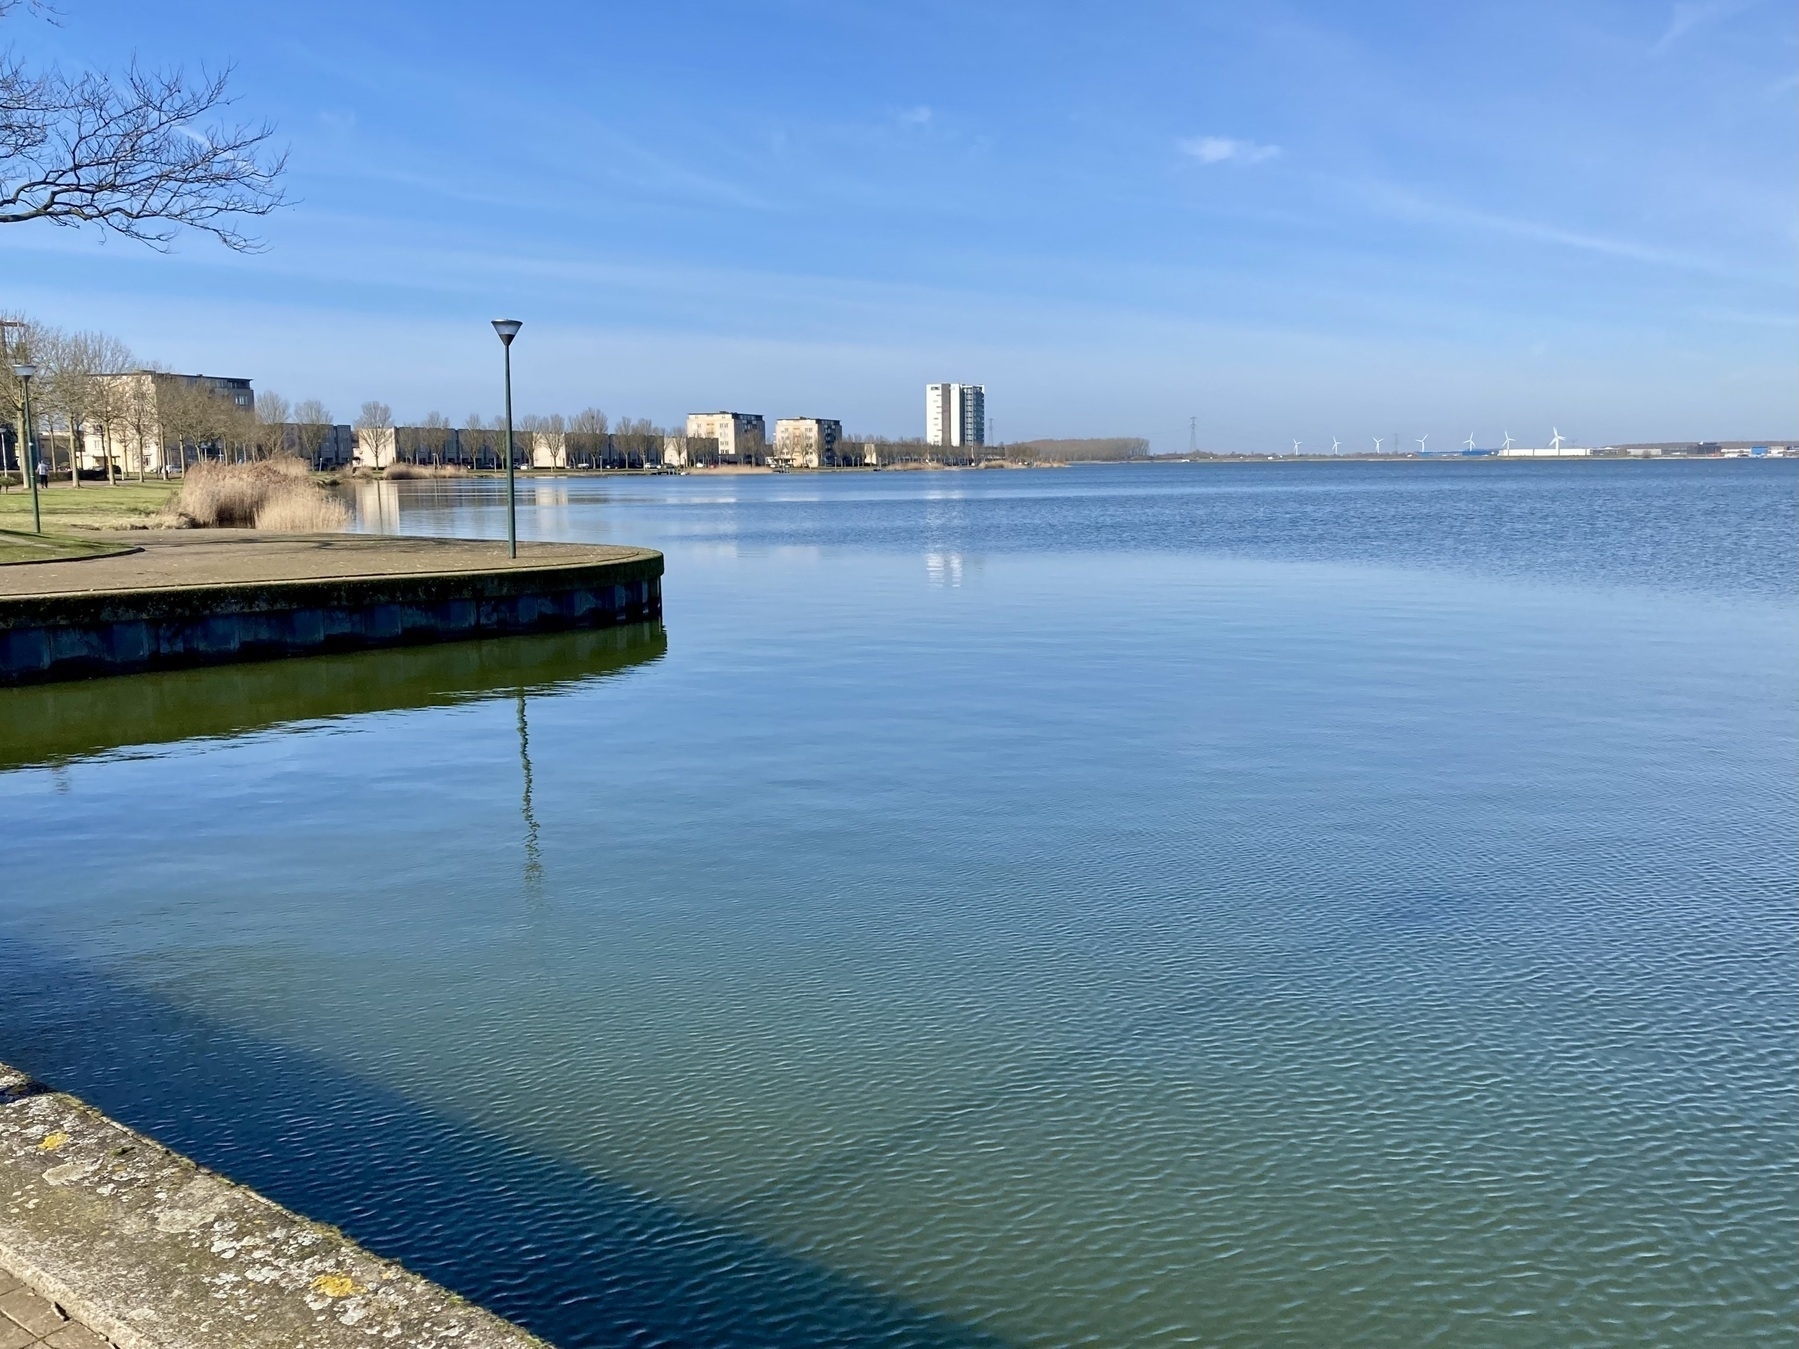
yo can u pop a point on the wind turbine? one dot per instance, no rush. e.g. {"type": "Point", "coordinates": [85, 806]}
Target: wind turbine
{"type": "Point", "coordinates": [1296, 447]}
{"type": "Point", "coordinates": [1508, 441]}
{"type": "Point", "coordinates": [1421, 440]}
{"type": "Point", "coordinates": [1336, 446]}
{"type": "Point", "coordinates": [1377, 442]}
{"type": "Point", "coordinates": [1555, 441]}
{"type": "Point", "coordinates": [1468, 444]}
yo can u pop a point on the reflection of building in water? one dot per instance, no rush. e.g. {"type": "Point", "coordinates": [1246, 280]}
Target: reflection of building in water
{"type": "Point", "coordinates": [377, 505]}
{"type": "Point", "coordinates": [943, 569]}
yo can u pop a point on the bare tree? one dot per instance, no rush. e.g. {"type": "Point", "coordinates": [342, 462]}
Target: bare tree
{"type": "Point", "coordinates": [112, 361]}
{"type": "Point", "coordinates": [633, 442]}
{"type": "Point", "coordinates": [175, 424]}
{"type": "Point", "coordinates": [312, 427]}
{"type": "Point", "coordinates": [137, 413]}
{"type": "Point", "coordinates": [272, 416]}
{"type": "Point", "coordinates": [129, 153]}
{"type": "Point", "coordinates": [192, 415]}
{"type": "Point", "coordinates": [475, 439]}
{"type": "Point", "coordinates": [587, 437]}
{"type": "Point", "coordinates": [433, 435]}
{"type": "Point", "coordinates": [66, 371]}
{"type": "Point", "coordinates": [375, 425]}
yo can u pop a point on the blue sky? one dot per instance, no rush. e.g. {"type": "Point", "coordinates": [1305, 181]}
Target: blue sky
{"type": "Point", "coordinates": [1286, 220]}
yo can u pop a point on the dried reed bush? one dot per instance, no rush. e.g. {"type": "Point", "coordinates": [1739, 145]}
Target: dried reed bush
{"type": "Point", "coordinates": [307, 512]}
{"type": "Point", "coordinates": [400, 471]}
{"type": "Point", "coordinates": [274, 493]}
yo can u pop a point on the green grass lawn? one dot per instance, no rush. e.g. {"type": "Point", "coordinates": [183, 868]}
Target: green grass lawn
{"type": "Point", "coordinates": [93, 505]}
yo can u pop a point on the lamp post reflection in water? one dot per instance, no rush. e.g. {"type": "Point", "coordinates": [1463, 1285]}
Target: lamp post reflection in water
{"type": "Point", "coordinates": [533, 858]}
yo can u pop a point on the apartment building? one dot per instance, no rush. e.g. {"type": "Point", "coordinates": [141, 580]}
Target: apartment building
{"type": "Point", "coordinates": [955, 414]}
{"type": "Point", "coordinates": [742, 436]}
{"type": "Point", "coordinates": [807, 442]}
{"type": "Point", "coordinates": [149, 415]}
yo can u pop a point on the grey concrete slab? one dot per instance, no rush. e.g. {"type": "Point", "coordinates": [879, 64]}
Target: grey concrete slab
{"type": "Point", "coordinates": [109, 1232]}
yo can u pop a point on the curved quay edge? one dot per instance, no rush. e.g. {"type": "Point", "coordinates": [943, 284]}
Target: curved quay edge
{"type": "Point", "coordinates": [80, 634]}
{"type": "Point", "coordinates": [153, 1251]}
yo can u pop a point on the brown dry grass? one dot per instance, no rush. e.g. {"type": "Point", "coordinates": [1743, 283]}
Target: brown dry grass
{"type": "Point", "coordinates": [396, 472]}
{"type": "Point", "coordinates": [277, 494]}
{"type": "Point", "coordinates": [309, 512]}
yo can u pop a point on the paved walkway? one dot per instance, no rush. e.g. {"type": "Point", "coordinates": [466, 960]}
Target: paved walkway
{"type": "Point", "coordinates": [210, 557]}
{"type": "Point", "coordinates": [27, 1319]}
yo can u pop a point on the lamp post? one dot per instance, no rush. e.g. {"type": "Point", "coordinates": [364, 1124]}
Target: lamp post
{"type": "Point", "coordinates": [25, 370]}
{"type": "Point", "coordinates": [508, 329]}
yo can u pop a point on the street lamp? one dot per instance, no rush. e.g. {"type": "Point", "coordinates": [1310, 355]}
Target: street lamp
{"type": "Point", "coordinates": [25, 370]}
{"type": "Point", "coordinates": [508, 329]}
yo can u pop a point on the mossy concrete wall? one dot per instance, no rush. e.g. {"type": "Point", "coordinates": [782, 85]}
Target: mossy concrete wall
{"type": "Point", "coordinates": [156, 1252]}
{"type": "Point", "coordinates": [74, 635]}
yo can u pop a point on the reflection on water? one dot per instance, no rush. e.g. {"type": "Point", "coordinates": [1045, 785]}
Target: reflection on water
{"type": "Point", "coordinates": [1259, 905]}
{"type": "Point", "coordinates": [52, 723]}
{"type": "Point", "coordinates": [533, 854]}
{"type": "Point", "coordinates": [944, 569]}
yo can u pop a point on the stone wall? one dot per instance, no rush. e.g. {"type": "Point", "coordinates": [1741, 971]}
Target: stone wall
{"type": "Point", "coordinates": [112, 632]}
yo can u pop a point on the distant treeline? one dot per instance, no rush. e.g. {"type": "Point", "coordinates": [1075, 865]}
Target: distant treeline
{"type": "Point", "coordinates": [1098, 449]}
{"type": "Point", "coordinates": [1104, 448]}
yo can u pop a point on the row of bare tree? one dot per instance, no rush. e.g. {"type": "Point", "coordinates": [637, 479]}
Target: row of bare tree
{"type": "Point", "coordinates": [71, 391]}
{"type": "Point", "coordinates": [89, 387]}
{"type": "Point", "coordinates": [589, 438]}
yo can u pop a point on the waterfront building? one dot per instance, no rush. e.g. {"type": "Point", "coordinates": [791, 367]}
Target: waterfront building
{"type": "Point", "coordinates": [955, 414]}
{"type": "Point", "coordinates": [376, 446]}
{"type": "Point", "coordinates": [336, 445]}
{"type": "Point", "coordinates": [1775, 449]}
{"type": "Point", "coordinates": [742, 436]}
{"type": "Point", "coordinates": [548, 449]}
{"type": "Point", "coordinates": [147, 419]}
{"type": "Point", "coordinates": [807, 442]}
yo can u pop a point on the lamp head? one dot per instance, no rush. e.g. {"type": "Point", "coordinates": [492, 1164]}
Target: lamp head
{"type": "Point", "coordinates": [507, 329]}
{"type": "Point", "coordinates": [24, 370]}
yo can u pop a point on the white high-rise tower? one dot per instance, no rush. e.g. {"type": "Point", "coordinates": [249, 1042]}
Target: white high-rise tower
{"type": "Point", "coordinates": [955, 414]}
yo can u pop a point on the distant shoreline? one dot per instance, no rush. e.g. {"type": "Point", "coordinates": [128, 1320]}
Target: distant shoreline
{"type": "Point", "coordinates": [766, 471]}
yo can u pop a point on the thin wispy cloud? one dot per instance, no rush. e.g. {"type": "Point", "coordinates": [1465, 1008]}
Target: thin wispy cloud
{"type": "Point", "coordinates": [1226, 150]}
{"type": "Point", "coordinates": [1697, 14]}
{"type": "Point", "coordinates": [915, 116]}
{"type": "Point", "coordinates": [1406, 204]}
{"type": "Point", "coordinates": [1782, 87]}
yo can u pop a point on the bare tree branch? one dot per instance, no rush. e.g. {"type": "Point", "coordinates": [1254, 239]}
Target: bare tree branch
{"type": "Point", "coordinates": [131, 154]}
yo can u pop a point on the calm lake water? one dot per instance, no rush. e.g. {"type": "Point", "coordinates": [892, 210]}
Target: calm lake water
{"type": "Point", "coordinates": [1232, 905]}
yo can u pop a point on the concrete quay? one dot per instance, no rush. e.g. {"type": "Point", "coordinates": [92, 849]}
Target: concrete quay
{"type": "Point", "coordinates": [106, 1237]}
{"type": "Point", "coordinates": [206, 597]}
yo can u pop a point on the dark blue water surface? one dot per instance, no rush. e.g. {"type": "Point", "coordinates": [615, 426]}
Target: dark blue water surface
{"type": "Point", "coordinates": [1218, 904]}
